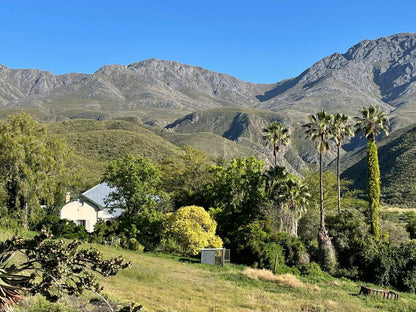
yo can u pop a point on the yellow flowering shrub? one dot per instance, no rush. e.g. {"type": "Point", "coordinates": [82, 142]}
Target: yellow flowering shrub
{"type": "Point", "coordinates": [192, 228]}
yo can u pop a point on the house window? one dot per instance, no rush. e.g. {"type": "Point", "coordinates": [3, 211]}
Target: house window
{"type": "Point", "coordinates": [81, 222]}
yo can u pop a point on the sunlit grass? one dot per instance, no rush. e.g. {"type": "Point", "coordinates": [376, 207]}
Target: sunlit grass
{"type": "Point", "coordinates": [168, 284]}
{"type": "Point", "coordinates": [172, 284]}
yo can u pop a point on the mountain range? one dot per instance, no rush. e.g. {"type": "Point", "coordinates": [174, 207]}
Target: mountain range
{"type": "Point", "coordinates": [186, 104]}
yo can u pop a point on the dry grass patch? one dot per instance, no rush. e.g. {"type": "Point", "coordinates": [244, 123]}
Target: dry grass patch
{"type": "Point", "coordinates": [284, 279]}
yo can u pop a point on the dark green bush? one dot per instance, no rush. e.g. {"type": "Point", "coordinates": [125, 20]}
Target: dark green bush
{"type": "Point", "coordinates": [63, 228]}
{"type": "Point", "coordinates": [350, 238]}
{"type": "Point", "coordinates": [146, 227]}
{"type": "Point", "coordinates": [257, 248]}
{"type": "Point", "coordinates": [294, 251]}
{"type": "Point", "coordinates": [410, 219]}
{"type": "Point", "coordinates": [260, 247]}
{"type": "Point", "coordinates": [104, 231]}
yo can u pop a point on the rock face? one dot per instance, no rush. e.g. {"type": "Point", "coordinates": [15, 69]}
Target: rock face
{"type": "Point", "coordinates": [152, 84]}
{"type": "Point", "coordinates": [378, 72]}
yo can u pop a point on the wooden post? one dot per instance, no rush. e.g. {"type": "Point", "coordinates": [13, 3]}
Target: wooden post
{"type": "Point", "coordinates": [275, 264]}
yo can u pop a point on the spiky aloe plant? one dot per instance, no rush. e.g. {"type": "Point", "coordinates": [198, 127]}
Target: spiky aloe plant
{"type": "Point", "coordinates": [11, 280]}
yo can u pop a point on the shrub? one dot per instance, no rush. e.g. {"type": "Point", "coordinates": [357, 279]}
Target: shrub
{"type": "Point", "coordinates": [350, 237]}
{"type": "Point", "coordinates": [169, 245]}
{"type": "Point", "coordinates": [256, 247]}
{"type": "Point", "coordinates": [40, 304]}
{"type": "Point", "coordinates": [104, 231]}
{"type": "Point", "coordinates": [63, 228]}
{"type": "Point", "coordinates": [192, 228]}
{"type": "Point", "coordinates": [294, 251]}
{"type": "Point", "coordinates": [132, 244]}
{"type": "Point", "coordinates": [260, 247]}
{"type": "Point", "coordinates": [410, 218]}
{"type": "Point", "coordinates": [146, 228]}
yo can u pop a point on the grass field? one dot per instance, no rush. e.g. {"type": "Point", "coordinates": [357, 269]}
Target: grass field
{"type": "Point", "coordinates": [164, 283]}
{"type": "Point", "coordinates": [168, 284]}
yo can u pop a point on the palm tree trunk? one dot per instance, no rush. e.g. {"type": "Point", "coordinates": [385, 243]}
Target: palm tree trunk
{"type": "Point", "coordinates": [321, 190]}
{"type": "Point", "coordinates": [326, 249]}
{"type": "Point", "coordinates": [275, 156]}
{"type": "Point", "coordinates": [338, 180]}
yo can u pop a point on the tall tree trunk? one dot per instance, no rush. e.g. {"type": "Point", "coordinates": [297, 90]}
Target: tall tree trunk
{"type": "Point", "coordinates": [321, 190]}
{"type": "Point", "coordinates": [373, 176]}
{"type": "Point", "coordinates": [295, 227]}
{"type": "Point", "coordinates": [275, 156]}
{"type": "Point", "coordinates": [326, 249]}
{"type": "Point", "coordinates": [338, 179]}
{"type": "Point", "coordinates": [327, 256]}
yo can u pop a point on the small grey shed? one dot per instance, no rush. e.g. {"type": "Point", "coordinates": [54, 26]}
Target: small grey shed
{"type": "Point", "coordinates": [215, 256]}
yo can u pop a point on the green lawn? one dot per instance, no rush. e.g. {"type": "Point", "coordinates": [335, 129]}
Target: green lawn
{"type": "Point", "coordinates": [163, 283]}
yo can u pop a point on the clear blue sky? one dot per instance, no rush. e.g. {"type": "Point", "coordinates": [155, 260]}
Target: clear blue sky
{"type": "Point", "coordinates": [257, 41]}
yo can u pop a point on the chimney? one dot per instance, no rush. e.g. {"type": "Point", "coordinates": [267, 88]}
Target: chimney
{"type": "Point", "coordinates": [67, 197]}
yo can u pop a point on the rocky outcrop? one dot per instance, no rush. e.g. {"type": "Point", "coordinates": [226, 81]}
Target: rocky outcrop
{"type": "Point", "coordinates": [378, 72]}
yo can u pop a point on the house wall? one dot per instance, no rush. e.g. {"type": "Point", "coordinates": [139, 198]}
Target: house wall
{"type": "Point", "coordinates": [106, 215]}
{"type": "Point", "coordinates": [81, 213]}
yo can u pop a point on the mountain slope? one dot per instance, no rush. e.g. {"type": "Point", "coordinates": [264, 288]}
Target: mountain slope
{"type": "Point", "coordinates": [397, 154]}
{"type": "Point", "coordinates": [377, 72]}
{"type": "Point", "coordinates": [96, 143]}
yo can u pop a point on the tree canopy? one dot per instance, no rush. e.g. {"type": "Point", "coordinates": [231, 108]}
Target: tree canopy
{"type": "Point", "coordinates": [192, 228]}
{"type": "Point", "coordinates": [136, 180]}
{"type": "Point", "coordinates": [32, 165]}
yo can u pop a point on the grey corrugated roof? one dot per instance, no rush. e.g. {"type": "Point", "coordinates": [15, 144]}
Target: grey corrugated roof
{"type": "Point", "coordinates": [98, 193]}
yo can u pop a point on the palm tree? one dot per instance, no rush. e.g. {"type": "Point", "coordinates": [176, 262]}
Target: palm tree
{"type": "Point", "coordinates": [289, 194]}
{"type": "Point", "coordinates": [340, 128]}
{"type": "Point", "coordinates": [296, 197]}
{"type": "Point", "coordinates": [276, 134]}
{"type": "Point", "coordinates": [274, 178]}
{"type": "Point", "coordinates": [318, 130]}
{"type": "Point", "coordinates": [372, 122]}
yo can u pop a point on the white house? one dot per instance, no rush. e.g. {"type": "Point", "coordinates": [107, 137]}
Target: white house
{"type": "Point", "coordinates": [90, 207]}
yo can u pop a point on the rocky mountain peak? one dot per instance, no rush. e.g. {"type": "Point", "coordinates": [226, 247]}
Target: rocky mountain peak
{"type": "Point", "coordinates": [377, 72]}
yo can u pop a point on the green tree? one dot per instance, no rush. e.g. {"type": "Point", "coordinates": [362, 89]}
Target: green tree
{"type": "Point", "coordinates": [329, 183]}
{"type": "Point", "coordinates": [32, 163]}
{"type": "Point", "coordinates": [192, 228]}
{"type": "Point", "coordinates": [184, 179]}
{"type": "Point", "coordinates": [237, 195]}
{"type": "Point", "coordinates": [340, 128]}
{"type": "Point", "coordinates": [276, 134]}
{"type": "Point", "coordinates": [371, 122]}
{"type": "Point", "coordinates": [137, 190]}
{"type": "Point", "coordinates": [136, 180]}
{"type": "Point", "coordinates": [317, 129]}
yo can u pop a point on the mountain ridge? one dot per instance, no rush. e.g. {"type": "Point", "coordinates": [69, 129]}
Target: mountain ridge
{"type": "Point", "coordinates": [377, 72]}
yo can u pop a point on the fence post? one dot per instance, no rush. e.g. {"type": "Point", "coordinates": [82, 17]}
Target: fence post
{"type": "Point", "coordinates": [275, 264]}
